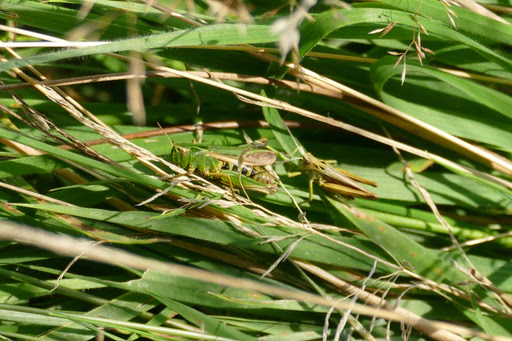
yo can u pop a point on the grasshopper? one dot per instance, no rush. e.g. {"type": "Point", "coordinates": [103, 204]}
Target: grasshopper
{"type": "Point", "coordinates": [332, 179]}
{"type": "Point", "coordinates": [247, 171]}
{"type": "Point", "coordinates": [329, 178]}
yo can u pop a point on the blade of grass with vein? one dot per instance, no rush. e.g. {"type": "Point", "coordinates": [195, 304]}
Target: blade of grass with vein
{"type": "Point", "coordinates": [203, 321]}
{"type": "Point", "coordinates": [124, 307]}
{"type": "Point", "coordinates": [107, 327]}
{"type": "Point", "coordinates": [383, 70]}
{"type": "Point", "coordinates": [427, 222]}
{"type": "Point", "coordinates": [481, 179]}
{"type": "Point", "coordinates": [221, 328]}
{"type": "Point", "coordinates": [35, 287]}
{"type": "Point", "coordinates": [203, 36]}
{"type": "Point", "coordinates": [36, 317]}
{"type": "Point", "coordinates": [475, 125]}
{"type": "Point", "coordinates": [29, 165]}
{"type": "Point", "coordinates": [425, 262]}
{"type": "Point", "coordinates": [194, 292]}
{"type": "Point", "coordinates": [461, 57]}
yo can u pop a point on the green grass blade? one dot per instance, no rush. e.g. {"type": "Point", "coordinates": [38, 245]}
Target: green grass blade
{"type": "Point", "coordinates": [204, 36]}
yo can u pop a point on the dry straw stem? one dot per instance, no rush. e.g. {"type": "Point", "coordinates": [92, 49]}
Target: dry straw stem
{"type": "Point", "coordinates": [34, 195]}
{"type": "Point", "coordinates": [220, 75]}
{"type": "Point", "coordinates": [498, 8]}
{"type": "Point", "coordinates": [73, 247]}
{"type": "Point", "coordinates": [149, 74]}
{"type": "Point", "coordinates": [477, 241]}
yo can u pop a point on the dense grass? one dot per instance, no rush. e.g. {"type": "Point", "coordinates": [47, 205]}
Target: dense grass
{"type": "Point", "coordinates": [104, 237]}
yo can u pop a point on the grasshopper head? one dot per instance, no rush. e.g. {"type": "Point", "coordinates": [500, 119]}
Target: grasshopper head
{"type": "Point", "coordinates": [180, 156]}
{"type": "Point", "coordinates": [306, 160]}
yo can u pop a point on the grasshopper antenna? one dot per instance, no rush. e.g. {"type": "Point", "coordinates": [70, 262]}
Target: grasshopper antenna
{"type": "Point", "coordinates": [166, 135]}
{"type": "Point", "coordinates": [300, 148]}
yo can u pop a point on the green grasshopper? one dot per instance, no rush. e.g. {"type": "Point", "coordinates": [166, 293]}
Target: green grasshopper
{"type": "Point", "coordinates": [332, 179]}
{"type": "Point", "coordinates": [247, 171]}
